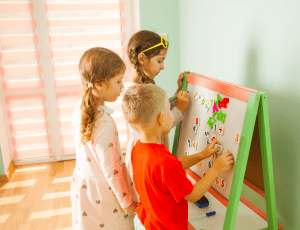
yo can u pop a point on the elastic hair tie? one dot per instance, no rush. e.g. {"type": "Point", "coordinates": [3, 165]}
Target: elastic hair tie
{"type": "Point", "coordinates": [90, 85]}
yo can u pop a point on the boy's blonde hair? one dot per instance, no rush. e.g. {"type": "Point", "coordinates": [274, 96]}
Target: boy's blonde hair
{"type": "Point", "coordinates": [142, 102]}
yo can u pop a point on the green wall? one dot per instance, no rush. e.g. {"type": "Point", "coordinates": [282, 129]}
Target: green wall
{"type": "Point", "coordinates": [254, 44]}
{"type": "Point", "coordinates": [250, 43]}
{"type": "Point", "coordinates": [163, 17]}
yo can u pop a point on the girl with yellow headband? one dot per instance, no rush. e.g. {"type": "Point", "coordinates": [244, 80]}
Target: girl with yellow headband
{"type": "Point", "coordinates": [147, 51]}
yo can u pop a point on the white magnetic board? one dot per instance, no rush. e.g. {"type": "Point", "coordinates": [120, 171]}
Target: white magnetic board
{"type": "Point", "coordinates": [235, 114]}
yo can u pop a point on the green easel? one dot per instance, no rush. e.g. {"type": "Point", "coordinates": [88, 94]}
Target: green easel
{"type": "Point", "coordinates": [257, 103]}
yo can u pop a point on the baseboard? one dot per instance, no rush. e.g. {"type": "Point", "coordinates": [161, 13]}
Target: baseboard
{"type": "Point", "coordinates": [6, 177]}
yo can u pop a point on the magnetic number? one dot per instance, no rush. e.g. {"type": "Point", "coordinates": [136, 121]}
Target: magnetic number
{"type": "Point", "coordinates": [222, 183]}
{"type": "Point", "coordinates": [237, 138]}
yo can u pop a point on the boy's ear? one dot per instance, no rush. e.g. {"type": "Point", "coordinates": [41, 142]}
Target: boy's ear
{"type": "Point", "coordinates": [160, 118]}
{"type": "Point", "coordinates": [141, 58]}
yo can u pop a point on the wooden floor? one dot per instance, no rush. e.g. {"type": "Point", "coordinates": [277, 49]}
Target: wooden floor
{"type": "Point", "coordinates": [38, 197]}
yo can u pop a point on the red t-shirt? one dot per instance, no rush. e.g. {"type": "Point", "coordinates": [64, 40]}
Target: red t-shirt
{"type": "Point", "coordinates": [162, 184]}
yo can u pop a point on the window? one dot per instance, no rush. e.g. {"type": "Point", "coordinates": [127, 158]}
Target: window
{"type": "Point", "coordinates": [41, 45]}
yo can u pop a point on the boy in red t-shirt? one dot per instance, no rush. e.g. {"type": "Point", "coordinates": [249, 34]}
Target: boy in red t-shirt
{"type": "Point", "coordinates": [158, 176]}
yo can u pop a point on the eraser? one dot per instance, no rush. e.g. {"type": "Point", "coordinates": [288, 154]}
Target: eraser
{"type": "Point", "coordinates": [202, 202]}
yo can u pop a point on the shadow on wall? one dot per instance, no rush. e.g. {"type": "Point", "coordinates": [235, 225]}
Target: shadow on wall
{"type": "Point", "coordinates": [282, 98]}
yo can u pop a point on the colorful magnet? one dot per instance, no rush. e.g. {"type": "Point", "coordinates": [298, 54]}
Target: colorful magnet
{"type": "Point", "coordinates": [223, 103]}
{"type": "Point", "coordinates": [219, 98]}
{"type": "Point", "coordinates": [217, 181]}
{"type": "Point", "coordinates": [195, 146]}
{"type": "Point", "coordinates": [195, 128]}
{"type": "Point", "coordinates": [217, 103]}
{"type": "Point", "coordinates": [214, 116]}
{"type": "Point", "coordinates": [214, 155]}
{"type": "Point", "coordinates": [213, 137]}
{"type": "Point", "coordinates": [203, 101]}
{"type": "Point", "coordinates": [189, 143]}
{"type": "Point", "coordinates": [207, 141]}
{"type": "Point", "coordinates": [209, 164]}
{"type": "Point", "coordinates": [221, 116]}
{"type": "Point", "coordinates": [186, 153]}
{"type": "Point", "coordinates": [206, 133]}
{"type": "Point", "coordinates": [196, 96]}
{"type": "Point", "coordinates": [215, 108]}
{"type": "Point", "coordinates": [223, 184]}
{"type": "Point", "coordinates": [220, 147]}
{"type": "Point", "coordinates": [206, 106]}
{"type": "Point", "coordinates": [216, 126]}
{"type": "Point", "coordinates": [200, 96]}
{"type": "Point", "coordinates": [199, 163]}
{"type": "Point", "coordinates": [210, 122]}
{"type": "Point", "coordinates": [197, 119]}
{"type": "Point", "coordinates": [203, 174]}
{"type": "Point", "coordinates": [211, 103]}
{"type": "Point", "coordinates": [221, 129]}
{"type": "Point", "coordinates": [237, 138]}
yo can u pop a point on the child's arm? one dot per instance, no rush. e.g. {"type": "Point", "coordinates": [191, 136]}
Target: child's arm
{"type": "Point", "coordinates": [222, 164]}
{"type": "Point", "coordinates": [189, 161]}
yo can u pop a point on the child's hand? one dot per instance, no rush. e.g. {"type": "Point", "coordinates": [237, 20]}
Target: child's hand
{"type": "Point", "coordinates": [180, 79]}
{"type": "Point", "coordinates": [223, 163]}
{"type": "Point", "coordinates": [130, 209]}
{"type": "Point", "coordinates": [209, 150]}
{"type": "Point", "coordinates": [182, 101]}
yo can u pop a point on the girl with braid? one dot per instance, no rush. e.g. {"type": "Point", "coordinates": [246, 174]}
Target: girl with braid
{"type": "Point", "coordinates": [99, 191]}
{"type": "Point", "coordinates": [147, 51]}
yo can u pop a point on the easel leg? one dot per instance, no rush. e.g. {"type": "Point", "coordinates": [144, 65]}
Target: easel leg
{"type": "Point", "coordinates": [241, 161]}
{"type": "Point", "coordinates": [267, 164]}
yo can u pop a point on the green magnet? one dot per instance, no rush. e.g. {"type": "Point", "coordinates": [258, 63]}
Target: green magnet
{"type": "Point", "coordinates": [216, 102]}
{"type": "Point", "coordinates": [214, 115]}
{"type": "Point", "coordinates": [221, 116]}
{"type": "Point", "coordinates": [219, 98]}
{"type": "Point", "coordinates": [210, 123]}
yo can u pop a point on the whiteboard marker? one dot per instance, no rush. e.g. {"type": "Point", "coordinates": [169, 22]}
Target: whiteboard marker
{"type": "Point", "coordinates": [204, 215]}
